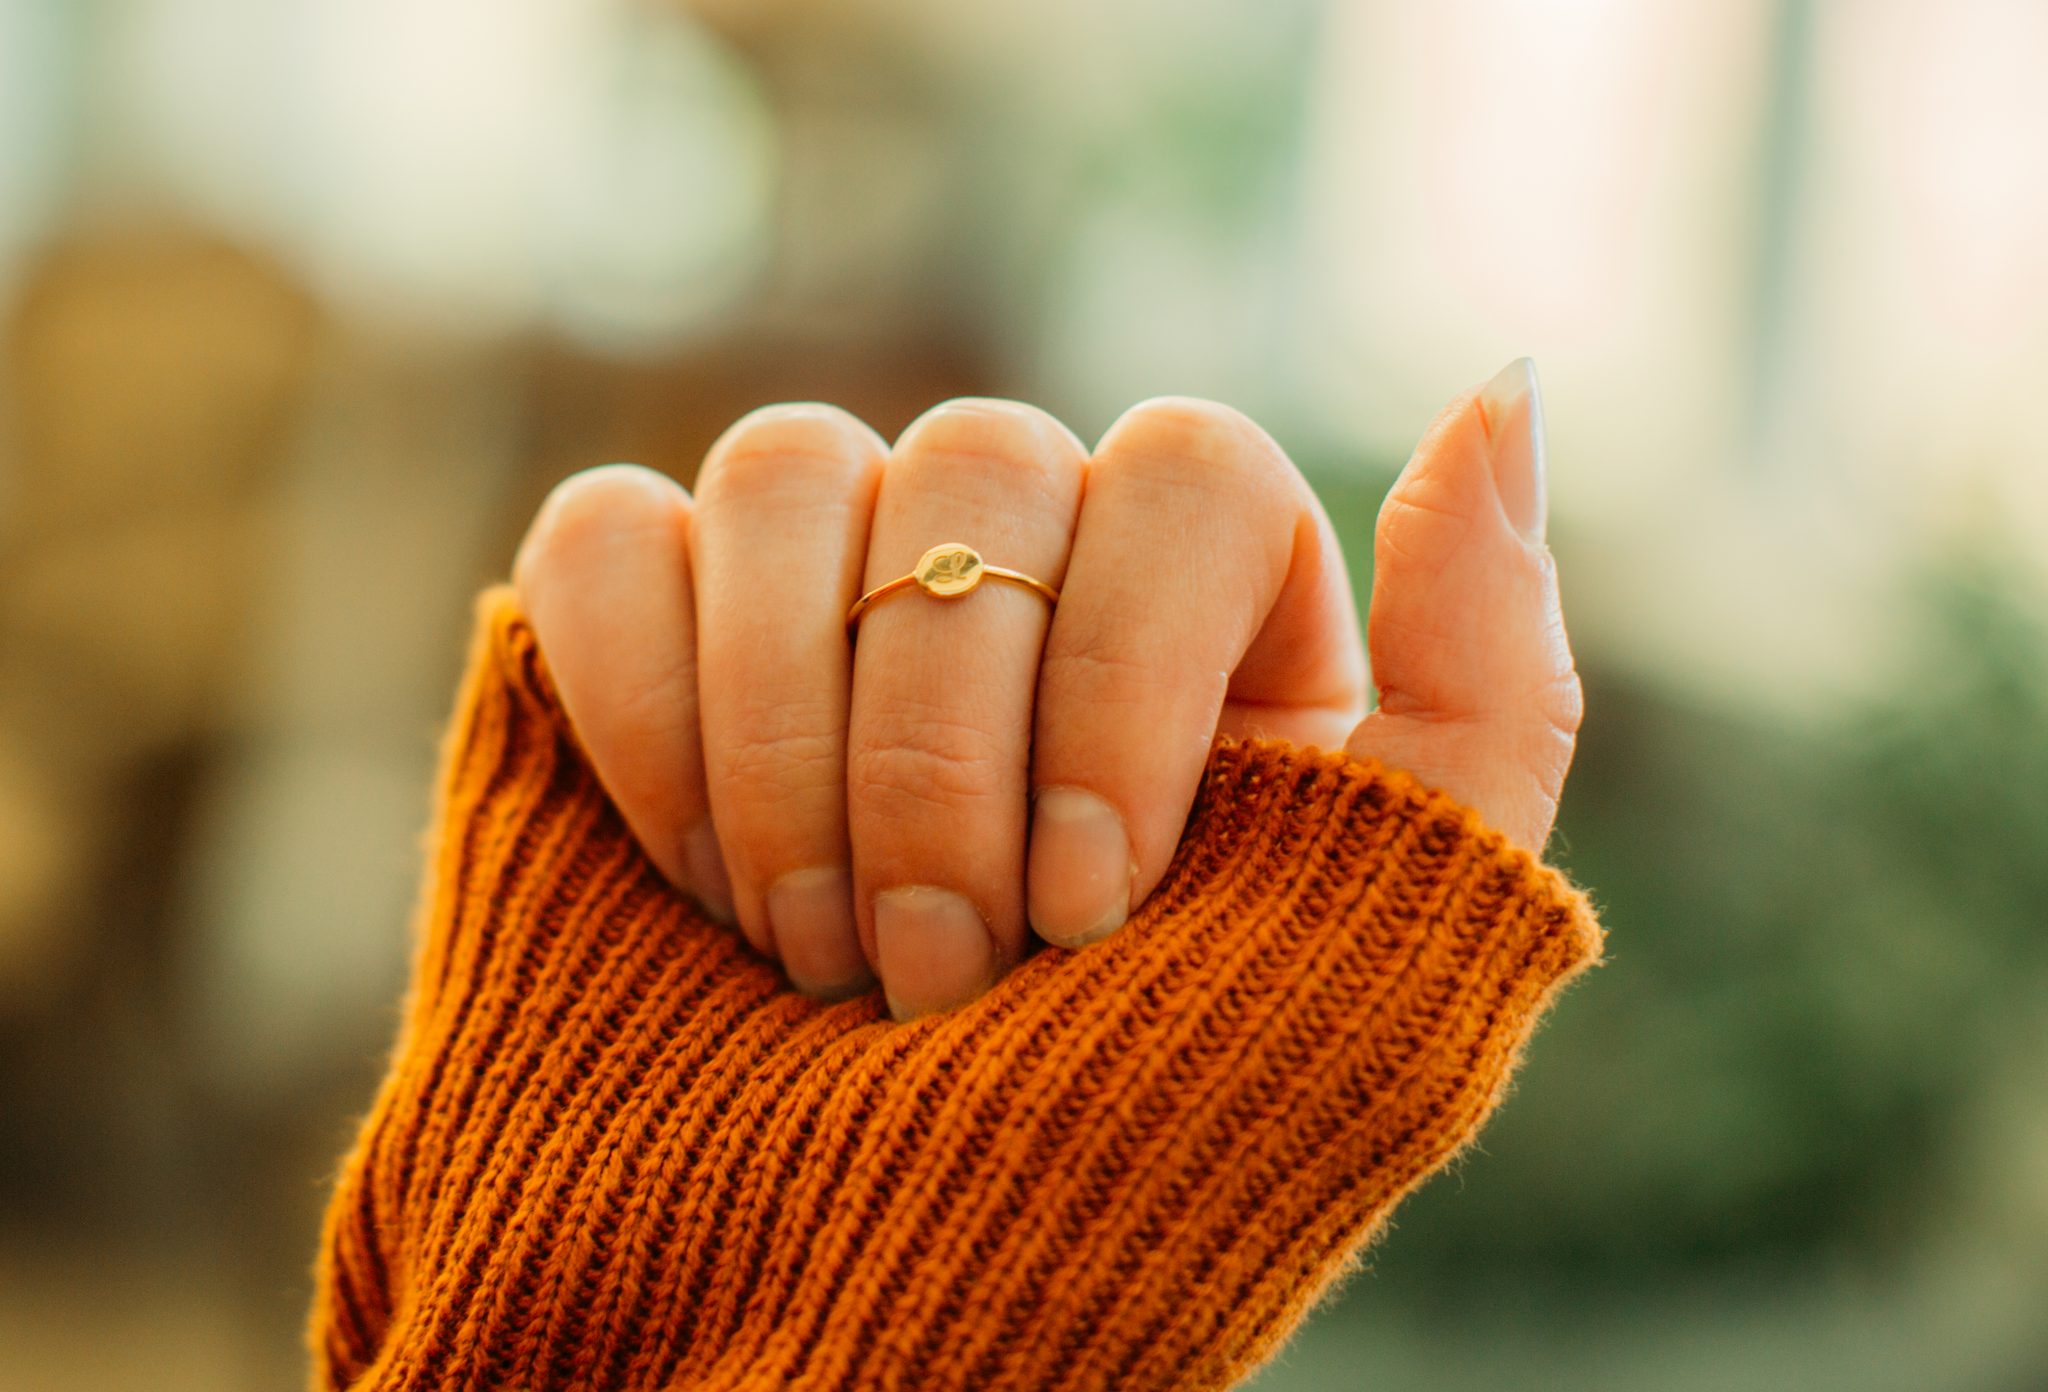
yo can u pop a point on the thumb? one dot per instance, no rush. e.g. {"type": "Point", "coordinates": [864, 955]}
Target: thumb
{"type": "Point", "coordinates": [1478, 694]}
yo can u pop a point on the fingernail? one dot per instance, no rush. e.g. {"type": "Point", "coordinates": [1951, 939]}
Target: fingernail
{"type": "Point", "coordinates": [933, 948]}
{"type": "Point", "coordinates": [1512, 407]}
{"type": "Point", "coordinates": [1078, 879]}
{"type": "Point", "coordinates": [810, 913]}
{"type": "Point", "coordinates": [708, 880]}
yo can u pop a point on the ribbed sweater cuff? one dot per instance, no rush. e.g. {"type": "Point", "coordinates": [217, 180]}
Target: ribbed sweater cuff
{"type": "Point", "coordinates": [615, 1151]}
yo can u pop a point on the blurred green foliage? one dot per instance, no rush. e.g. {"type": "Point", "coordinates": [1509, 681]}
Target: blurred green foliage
{"type": "Point", "coordinates": [1822, 941]}
{"type": "Point", "coordinates": [1792, 1129]}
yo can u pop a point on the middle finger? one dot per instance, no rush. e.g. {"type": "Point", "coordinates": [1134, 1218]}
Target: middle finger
{"type": "Point", "coordinates": [784, 505]}
{"type": "Point", "coordinates": [939, 736]}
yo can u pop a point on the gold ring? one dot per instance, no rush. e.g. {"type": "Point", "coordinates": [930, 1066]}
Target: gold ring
{"type": "Point", "coordinates": [948, 570]}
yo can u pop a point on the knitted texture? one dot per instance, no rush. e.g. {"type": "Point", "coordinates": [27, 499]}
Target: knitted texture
{"type": "Point", "coordinates": [615, 1151]}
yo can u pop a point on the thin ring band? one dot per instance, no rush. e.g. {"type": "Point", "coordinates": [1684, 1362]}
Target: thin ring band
{"type": "Point", "coordinates": [947, 571]}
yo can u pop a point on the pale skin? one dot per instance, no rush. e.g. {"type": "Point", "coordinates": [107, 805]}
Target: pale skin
{"type": "Point", "coordinates": [914, 807]}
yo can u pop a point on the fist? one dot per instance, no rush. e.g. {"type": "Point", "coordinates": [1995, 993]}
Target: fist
{"type": "Point", "coordinates": [915, 798]}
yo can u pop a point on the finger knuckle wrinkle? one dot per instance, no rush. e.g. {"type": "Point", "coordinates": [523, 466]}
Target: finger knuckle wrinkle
{"type": "Point", "coordinates": [933, 765]}
{"type": "Point", "coordinates": [1418, 530]}
{"type": "Point", "coordinates": [1561, 703]}
{"type": "Point", "coordinates": [654, 703]}
{"type": "Point", "coordinates": [781, 759]}
{"type": "Point", "coordinates": [797, 727]}
{"type": "Point", "coordinates": [1104, 672]}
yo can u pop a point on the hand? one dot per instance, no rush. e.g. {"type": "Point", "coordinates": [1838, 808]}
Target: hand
{"type": "Point", "coordinates": [970, 771]}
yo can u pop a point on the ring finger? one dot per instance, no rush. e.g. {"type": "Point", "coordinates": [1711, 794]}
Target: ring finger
{"type": "Point", "coordinates": [939, 737]}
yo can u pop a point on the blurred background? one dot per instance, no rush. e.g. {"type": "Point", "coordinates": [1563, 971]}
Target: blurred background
{"type": "Point", "coordinates": [305, 303]}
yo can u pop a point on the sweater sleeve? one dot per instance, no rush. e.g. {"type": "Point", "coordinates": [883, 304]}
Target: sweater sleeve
{"type": "Point", "coordinates": [613, 1150]}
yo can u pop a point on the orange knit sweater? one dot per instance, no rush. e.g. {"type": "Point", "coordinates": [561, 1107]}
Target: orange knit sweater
{"type": "Point", "coordinates": [615, 1151]}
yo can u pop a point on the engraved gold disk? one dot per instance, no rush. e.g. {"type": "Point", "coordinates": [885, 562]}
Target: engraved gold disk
{"type": "Point", "coordinates": [951, 568]}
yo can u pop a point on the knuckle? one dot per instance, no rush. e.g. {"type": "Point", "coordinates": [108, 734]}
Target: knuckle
{"type": "Point", "coordinates": [1105, 669]}
{"type": "Point", "coordinates": [1006, 437]}
{"type": "Point", "coordinates": [652, 697]}
{"type": "Point", "coordinates": [1205, 445]}
{"type": "Point", "coordinates": [1419, 528]}
{"type": "Point", "coordinates": [1186, 420]}
{"type": "Point", "coordinates": [784, 749]}
{"type": "Point", "coordinates": [1187, 427]}
{"type": "Point", "coordinates": [1561, 703]}
{"type": "Point", "coordinates": [593, 507]}
{"type": "Point", "coordinates": [656, 704]}
{"type": "Point", "coordinates": [935, 766]}
{"type": "Point", "coordinates": [1541, 716]}
{"type": "Point", "coordinates": [793, 444]}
